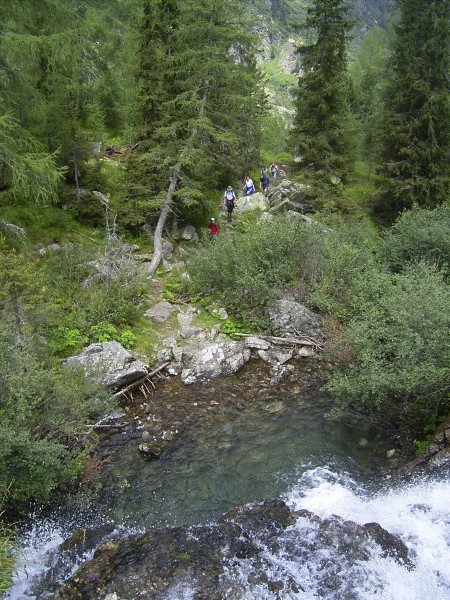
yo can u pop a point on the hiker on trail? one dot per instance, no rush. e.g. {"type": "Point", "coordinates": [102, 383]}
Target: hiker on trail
{"type": "Point", "coordinates": [249, 187]}
{"type": "Point", "coordinates": [274, 170]}
{"type": "Point", "coordinates": [229, 199]}
{"type": "Point", "coordinates": [213, 229]}
{"type": "Point", "coordinates": [264, 183]}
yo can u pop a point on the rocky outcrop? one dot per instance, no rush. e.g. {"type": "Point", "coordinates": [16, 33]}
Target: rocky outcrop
{"type": "Point", "coordinates": [243, 552]}
{"type": "Point", "coordinates": [187, 233]}
{"type": "Point", "coordinates": [110, 364]}
{"type": "Point", "coordinates": [287, 195]}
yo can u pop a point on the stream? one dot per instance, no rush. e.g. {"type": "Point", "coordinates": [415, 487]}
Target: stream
{"type": "Point", "coordinates": [238, 439]}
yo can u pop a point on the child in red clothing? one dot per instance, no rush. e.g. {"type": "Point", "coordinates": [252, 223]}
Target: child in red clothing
{"type": "Point", "coordinates": [213, 228]}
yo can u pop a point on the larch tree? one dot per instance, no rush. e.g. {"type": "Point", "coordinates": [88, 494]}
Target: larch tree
{"type": "Point", "coordinates": [55, 64]}
{"type": "Point", "coordinates": [201, 105]}
{"type": "Point", "coordinates": [415, 161]}
{"type": "Point", "coordinates": [320, 135]}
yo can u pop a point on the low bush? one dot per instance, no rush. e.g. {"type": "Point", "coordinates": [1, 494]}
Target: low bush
{"type": "Point", "coordinates": [248, 269]}
{"type": "Point", "coordinates": [45, 410]}
{"type": "Point", "coordinates": [418, 234]}
{"type": "Point", "coordinates": [399, 353]}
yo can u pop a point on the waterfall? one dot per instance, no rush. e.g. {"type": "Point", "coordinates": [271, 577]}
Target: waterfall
{"type": "Point", "coordinates": [308, 563]}
{"type": "Point", "coordinates": [418, 513]}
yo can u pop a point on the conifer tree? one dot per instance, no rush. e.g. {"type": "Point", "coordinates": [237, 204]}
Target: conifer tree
{"type": "Point", "coordinates": [416, 131]}
{"type": "Point", "coordinates": [201, 100]}
{"type": "Point", "coordinates": [321, 131]}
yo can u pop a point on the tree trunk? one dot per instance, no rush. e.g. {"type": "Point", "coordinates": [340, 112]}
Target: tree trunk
{"type": "Point", "coordinates": [175, 177]}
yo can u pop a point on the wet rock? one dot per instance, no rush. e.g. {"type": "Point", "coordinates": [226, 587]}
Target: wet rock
{"type": "Point", "coordinates": [390, 544]}
{"type": "Point", "coordinates": [110, 364]}
{"type": "Point", "coordinates": [280, 373]}
{"type": "Point", "coordinates": [154, 449]}
{"type": "Point", "coordinates": [246, 548]}
{"type": "Point", "coordinates": [72, 551]}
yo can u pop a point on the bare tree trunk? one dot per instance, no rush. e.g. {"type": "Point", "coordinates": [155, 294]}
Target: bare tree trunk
{"type": "Point", "coordinates": [174, 179]}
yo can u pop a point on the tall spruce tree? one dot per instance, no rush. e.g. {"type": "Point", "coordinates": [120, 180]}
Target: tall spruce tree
{"type": "Point", "coordinates": [320, 133]}
{"type": "Point", "coordinates": [416, 131]}
{"type": "Point", "coordinates": [201, 105]}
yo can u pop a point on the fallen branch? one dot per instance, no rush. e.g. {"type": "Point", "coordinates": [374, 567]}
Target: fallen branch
{"type": "Point", "coordinates": [285, 341]}
{"type": "Point", "coordinates": [141, 381]}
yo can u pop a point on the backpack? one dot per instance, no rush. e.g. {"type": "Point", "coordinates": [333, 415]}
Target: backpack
{"type": "Point", "coordinates": [229, 196]}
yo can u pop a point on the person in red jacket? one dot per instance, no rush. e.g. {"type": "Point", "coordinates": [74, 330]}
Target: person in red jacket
{"type": "Point", "coordinates": [213, 229]}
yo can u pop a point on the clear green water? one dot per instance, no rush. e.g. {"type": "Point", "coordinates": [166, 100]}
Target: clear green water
{"type": "Point", "coordinates": [252, 443]}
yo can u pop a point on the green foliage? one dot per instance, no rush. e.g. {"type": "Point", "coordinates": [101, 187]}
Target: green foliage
{"type": "Point", "coordinates": [103, 332]}
{"type": "Point", "coordinates": [247, 269]}
{"type": "Point", "coordinates": [41, 405]}
{"type": "Point", "coordinates": [398, 340]}
{"type": "Point", "coordinates": [6, 546]}
{"type": "Point", "coordinates": [90, 295]}
{"type": "Point", "coordinates": [229, 327]}
{"type": "Point", "coordinates": [6, 558]}
{"type": "Point", "coordinates": [342, 260]}
{"type": "Point", "coordinates": [42, 224]}
{"type": "Point", "coordinates": [127, 338]}
{"type": "Point", "coordinates": [26, 169]}
{"type": "Point", "coordinates": [195, 116]}
{"type": "Point", "coordinates": [368, 77]}
{"type": "Point", "coordinates": [173, 285]}
{"type": "Point", "coordinates": [321, 132]}
{"type": "Point", "coordinates": [66, 340]}
{"type": "Point", "coordinates": [418, 234]}
{"type": "Point", "coordinates": [415, 163]}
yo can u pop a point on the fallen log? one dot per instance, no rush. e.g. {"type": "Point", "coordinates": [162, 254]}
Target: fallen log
{"type": "Point", "coordinates": [141, 381]}
{"type": "Point", "coordinates": [285, 341]}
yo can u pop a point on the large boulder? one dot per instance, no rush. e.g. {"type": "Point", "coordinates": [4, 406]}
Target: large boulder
{"type": "Point", "coordinates": [110, 364]}
{"type": "Point", "coordinates": [292, 318]}
{"type": "Point", "coordinates": [213, 360]}
{"type": "Point", "coordinates": [255, 201]}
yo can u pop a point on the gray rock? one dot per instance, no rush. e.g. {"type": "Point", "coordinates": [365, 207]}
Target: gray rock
{"type": "Point", "coordinates": [214, 360]}
{"type": "Point", "coordinates": [306, 352]}
{"type": "Point", "coordinates": [188, 233]}
{"type": "Point", "coordinates": [110, 364]}
{"type": "Point", "coordinates": [257, 343]}
{"type": "Point", "coordinates": [292, 318]}
{"type": "Point", "coordinates": [167, 249]}
{"type": "Point", "coordinates": [160, 312]}
{"type": "Point", "coordinates": [247, 203]}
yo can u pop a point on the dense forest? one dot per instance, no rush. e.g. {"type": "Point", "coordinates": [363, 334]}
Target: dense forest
{"type": "Point", "coordinates": [120, 119]}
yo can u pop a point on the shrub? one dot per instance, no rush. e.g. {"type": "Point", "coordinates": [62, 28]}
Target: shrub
{"type": "Point", "coordinates": [249, 268]}
{"type": "Point", "coordinates": [398, 339]}
{"type": "Point", "coordinates": [42, 405]}
{"type": "Point", "coordinates": [418, 234]}
{"type": "Point", "coordinates": [345, 254]}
